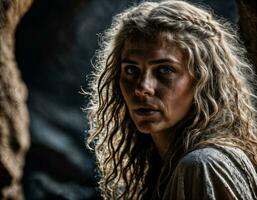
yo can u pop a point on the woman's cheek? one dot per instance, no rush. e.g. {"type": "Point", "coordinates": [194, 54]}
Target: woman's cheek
{"type": "Point", "coordinates": [127, 86]}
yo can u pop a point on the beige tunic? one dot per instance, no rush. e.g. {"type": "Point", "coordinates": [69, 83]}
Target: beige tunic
{"type": "Point", "coordinates": [213, 173]}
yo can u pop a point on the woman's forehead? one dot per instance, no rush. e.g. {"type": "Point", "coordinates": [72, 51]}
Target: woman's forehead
{"type": "Point", "coordinates": [161, 39]}
{"type": "Point", "coordinates": [160, 43]}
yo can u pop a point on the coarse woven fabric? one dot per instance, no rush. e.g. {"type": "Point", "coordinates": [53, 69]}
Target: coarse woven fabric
{"type": "Point", "coordinates": [213, 173]}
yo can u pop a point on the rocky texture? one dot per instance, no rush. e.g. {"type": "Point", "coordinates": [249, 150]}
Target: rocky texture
{"type": "Point", "coordinates": [14, 137]}
{"type": "Point", "coordinates": [248, 27]}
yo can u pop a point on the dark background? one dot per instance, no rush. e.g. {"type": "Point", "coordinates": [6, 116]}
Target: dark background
{"type": "Point", "coordinates": [55, 42]}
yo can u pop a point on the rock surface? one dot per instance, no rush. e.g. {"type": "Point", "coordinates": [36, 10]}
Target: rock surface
{"type": "Point", "coordinates": [14, 137]}
{"type": "Point", "coordinates": [248, 27]}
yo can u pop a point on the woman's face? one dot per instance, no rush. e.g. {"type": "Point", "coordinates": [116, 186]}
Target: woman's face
{"type": "Point", "coordinates": [155, 84]}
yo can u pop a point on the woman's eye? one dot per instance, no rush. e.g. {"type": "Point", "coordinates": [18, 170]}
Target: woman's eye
{"type": "Point", "coordinates": [131, 70]}
{"type": "Point", "coordinates": [166, 70]}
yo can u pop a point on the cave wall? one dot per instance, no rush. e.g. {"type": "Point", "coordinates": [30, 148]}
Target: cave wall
{"type": "Point", "coordinates": [14, 136]}
{"type": "Point", "coordinates": [248, 27]}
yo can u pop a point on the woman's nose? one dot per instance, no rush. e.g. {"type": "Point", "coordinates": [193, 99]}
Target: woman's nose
{"type": "Point", "coordinates": [145, 86]}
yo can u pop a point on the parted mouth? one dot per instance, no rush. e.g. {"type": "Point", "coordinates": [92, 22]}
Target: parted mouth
{"type": "Point", "coordinates": [146, 110]}
{"type": "Point", "coordinates": [146, 107]}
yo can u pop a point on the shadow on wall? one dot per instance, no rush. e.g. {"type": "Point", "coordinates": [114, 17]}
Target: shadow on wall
{"type": "Point", "coordinates": [54, 44]}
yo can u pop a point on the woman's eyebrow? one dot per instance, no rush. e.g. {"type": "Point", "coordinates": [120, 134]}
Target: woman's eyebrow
{"type": "Point", "coordinates": [126, 61]}
{"type": "Point", "coordinates": [152, 62]}
{"type": "Point", "coordinates": [164, 60]}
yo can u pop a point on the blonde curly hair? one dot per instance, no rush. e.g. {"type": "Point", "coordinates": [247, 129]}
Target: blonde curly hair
{"type": "Point", "coordinates": [223, 110]}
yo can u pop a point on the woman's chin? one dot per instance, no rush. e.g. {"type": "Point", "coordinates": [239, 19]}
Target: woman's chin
{"type": "Point", "coordinates": [147, 127]}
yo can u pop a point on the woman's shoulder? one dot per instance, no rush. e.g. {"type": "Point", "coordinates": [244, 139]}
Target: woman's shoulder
{"type": "Point", "coordinates": [217, 154]}
{"type": "Point", "coordinates": [214, 172]}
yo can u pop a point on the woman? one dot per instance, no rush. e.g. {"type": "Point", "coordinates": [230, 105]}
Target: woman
{"type": "Point", "coordinates": [172, 109]}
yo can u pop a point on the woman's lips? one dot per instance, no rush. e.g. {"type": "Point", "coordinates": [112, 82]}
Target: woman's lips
{"type": "Point", "coordinates": [146, 111]}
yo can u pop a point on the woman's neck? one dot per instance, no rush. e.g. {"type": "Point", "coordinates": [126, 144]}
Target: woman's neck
{"type": "Point", "coordinates": [162, 142]}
